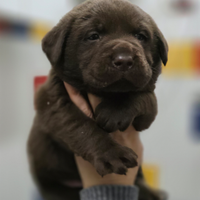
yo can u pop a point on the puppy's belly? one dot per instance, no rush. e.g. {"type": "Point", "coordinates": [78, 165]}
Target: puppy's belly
{"type": "Point", "coordinates": [49, 161]}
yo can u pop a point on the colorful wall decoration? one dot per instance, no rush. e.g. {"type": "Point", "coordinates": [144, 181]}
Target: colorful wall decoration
{"type": "Point", "coordinates": [32, 30]}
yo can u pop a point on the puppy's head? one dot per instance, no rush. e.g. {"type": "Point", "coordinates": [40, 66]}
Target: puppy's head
{"type": "Point", "coordinates": [109, 45]}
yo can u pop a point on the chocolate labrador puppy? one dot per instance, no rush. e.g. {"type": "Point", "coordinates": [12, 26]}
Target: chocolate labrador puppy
{"type": "Point", "coordinates": [114, 50]}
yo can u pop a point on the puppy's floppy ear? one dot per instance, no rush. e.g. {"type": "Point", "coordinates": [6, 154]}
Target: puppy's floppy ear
{"type": "Point", "coordinates": [162, 47]}
{"type": "Point", "coordinates": [53, 44]}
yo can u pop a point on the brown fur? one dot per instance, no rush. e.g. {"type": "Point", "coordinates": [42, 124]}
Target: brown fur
{"type": "Point", "coordinates": [121, 65]}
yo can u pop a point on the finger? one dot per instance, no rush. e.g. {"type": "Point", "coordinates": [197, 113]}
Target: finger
{"type": "Point", "coordinates": [78, 100]}
{"type": "Point", "coordinates": [94, 100]}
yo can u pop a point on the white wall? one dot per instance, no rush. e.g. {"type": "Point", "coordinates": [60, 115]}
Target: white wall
{"type": "Point", "coordinates": [174, 25]}
{"type": "Point", "coordinates": [47, 10]}
{"type": "Point", "coordinates": [169, 142]}
{"type": "Point", "coordinates": [20, 61]}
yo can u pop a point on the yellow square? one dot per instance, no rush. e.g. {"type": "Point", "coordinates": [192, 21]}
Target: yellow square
{"type": "Point", "coordinates": [39, 30]}
{"type": "Point", "coordinates": [151, 174]}
{"type": "Point", "coordinates": [180, 62]}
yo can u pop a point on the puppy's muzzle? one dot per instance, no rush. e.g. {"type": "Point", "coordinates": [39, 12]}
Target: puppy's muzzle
{"type": "Point", "coordinates": [123, 56]}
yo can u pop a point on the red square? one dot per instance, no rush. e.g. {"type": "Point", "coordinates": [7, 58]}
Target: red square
{"type": "Point", "coordinates": [38, 81]}
{"type": "Point", "coordinates": [197, 57]}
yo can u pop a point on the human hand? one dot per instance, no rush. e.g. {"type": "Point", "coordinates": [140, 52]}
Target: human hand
{"type": "Point", "coordinates": [129, 138]}
{"type": "Point", "coordinates": [78, 100]}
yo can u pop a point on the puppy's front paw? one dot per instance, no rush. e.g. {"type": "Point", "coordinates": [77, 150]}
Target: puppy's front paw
{"type": "Point", "coordinates": [143, 122]}
{"type": "Point", "coordinates": [116, 160]}
{"type": "Point", "coordinates": [111, 119]}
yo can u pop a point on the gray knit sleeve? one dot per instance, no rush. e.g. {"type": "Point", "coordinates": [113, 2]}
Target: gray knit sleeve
{"type": "Point", "coordinates": [110, 192]}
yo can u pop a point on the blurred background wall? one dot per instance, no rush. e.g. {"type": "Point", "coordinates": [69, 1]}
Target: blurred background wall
{"type": "Point", "coordinates": [172, 144]}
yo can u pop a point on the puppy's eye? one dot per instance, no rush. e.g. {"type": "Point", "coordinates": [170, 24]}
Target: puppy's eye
{"type": "Point", "coordinates": [141, 37]}
{"type": "Point", "coordinates": [94, 36]}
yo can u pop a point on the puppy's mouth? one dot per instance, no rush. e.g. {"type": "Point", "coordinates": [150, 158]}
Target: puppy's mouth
{"type": "Point", "coordinates": [121, 85]}
{"type": "Point", "coordinates": [120, 81]}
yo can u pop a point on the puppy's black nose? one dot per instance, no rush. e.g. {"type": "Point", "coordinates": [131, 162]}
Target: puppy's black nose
{"type": "Point", "coordinates": [123, 62]}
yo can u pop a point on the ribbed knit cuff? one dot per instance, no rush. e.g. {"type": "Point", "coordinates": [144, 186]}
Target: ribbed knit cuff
{"type": "Point", "coordinates": [110, 192]}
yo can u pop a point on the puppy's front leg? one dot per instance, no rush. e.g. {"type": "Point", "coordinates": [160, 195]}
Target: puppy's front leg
{"type": "Point", "coordinates": [119, 111]}
{"type": "Point", "coordinates": [115, 112]}
{"type": "Point", "coordinates": [86, 139]}
{"type": "Point", "coordinates": [146, 109]}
